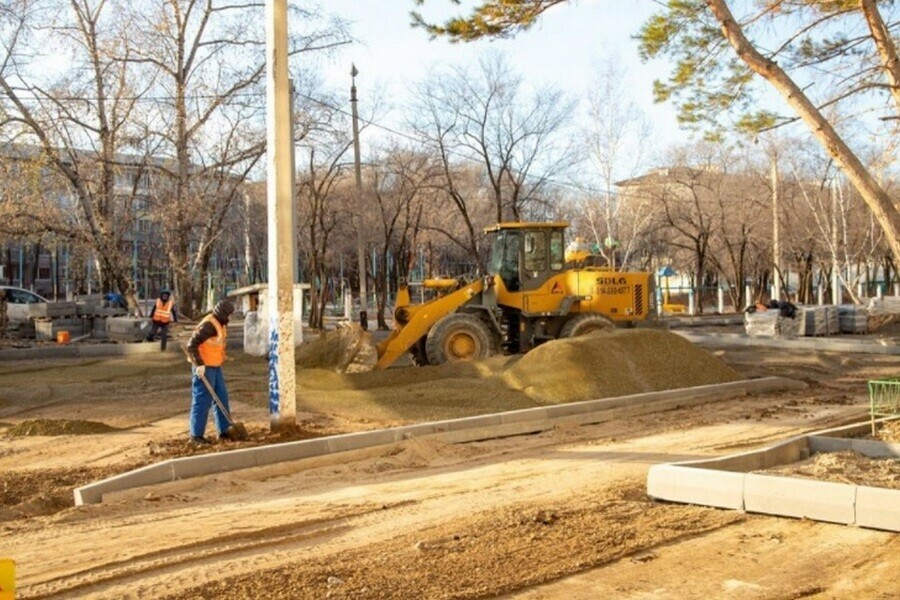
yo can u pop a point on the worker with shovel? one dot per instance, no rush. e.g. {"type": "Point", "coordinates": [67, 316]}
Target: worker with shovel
{"type": "Point", "coordinates": [206, 350]}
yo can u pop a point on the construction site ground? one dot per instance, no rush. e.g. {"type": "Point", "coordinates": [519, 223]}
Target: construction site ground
{"type": "Point", "coordinates": [562, 514]}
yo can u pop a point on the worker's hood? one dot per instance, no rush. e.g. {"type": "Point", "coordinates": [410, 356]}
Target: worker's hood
{"type": "Point", "coordinates": [222, 311]}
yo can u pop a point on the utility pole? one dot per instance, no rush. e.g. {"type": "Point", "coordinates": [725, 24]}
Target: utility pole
{"type": "Point", "coordinates": [360, 245]}
{"type": "Point", "coordinates": [776, 242]}
{"type": "Point", "coordinates": [280, 201]}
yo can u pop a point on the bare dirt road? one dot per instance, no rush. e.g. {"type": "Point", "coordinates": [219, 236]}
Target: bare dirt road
{"type": "Point", "coordinates": [557, 515]}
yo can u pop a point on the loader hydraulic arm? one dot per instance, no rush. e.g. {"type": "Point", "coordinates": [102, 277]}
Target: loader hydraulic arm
{"type": "Point", "coordinates": [412, 321]}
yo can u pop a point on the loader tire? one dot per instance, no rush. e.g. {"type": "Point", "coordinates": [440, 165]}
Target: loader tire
{"type": "Point", "coordinates": [458, 337]}
{"type": "Point", "coordinates": [584, 324]}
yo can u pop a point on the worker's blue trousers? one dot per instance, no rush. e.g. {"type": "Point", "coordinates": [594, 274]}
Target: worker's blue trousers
{"type": "Point", "coordinates": [201, 400]}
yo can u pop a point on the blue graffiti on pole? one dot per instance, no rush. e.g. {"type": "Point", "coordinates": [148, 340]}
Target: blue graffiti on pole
{"type": "Point", "coordinates": [274, 394]}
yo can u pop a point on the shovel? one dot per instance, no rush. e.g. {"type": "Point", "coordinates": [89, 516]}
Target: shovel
{"type": "Point", "coordinates": [236, 429]}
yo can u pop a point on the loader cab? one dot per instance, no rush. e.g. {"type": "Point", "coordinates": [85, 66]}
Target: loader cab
{"type": "Point", "coordinates": [525, 255]}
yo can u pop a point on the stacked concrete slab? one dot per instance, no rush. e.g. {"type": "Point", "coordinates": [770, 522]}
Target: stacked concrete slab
{"type": "Point", "coordinates": [818, 320]}
{"type": "Point", "coordinates": [731, 482]}
{"type": "Point", "coordinates": [770, 323]}
{"type": "Point", "coordinates": [127, 329]}
{"type": "Point", "coordinates": [886, 305]}
{"type": "Point", "coordinates": [853, 318]}
{"type": "Point", "coordinates": [47, 329]}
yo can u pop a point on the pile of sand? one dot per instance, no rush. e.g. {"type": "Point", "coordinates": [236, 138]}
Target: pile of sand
{"type": "Point", "coordinates": [59, 427]}
{"type": "Point", "coordinates": [615, 362]}
{"type": "Point", "coordinates": [347, 349]}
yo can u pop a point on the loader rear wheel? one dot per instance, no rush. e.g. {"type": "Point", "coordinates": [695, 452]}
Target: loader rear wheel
{"type": "Point", "coordinates": [584, 324]}
{"type": "Point", "coordinates": [458, 337]}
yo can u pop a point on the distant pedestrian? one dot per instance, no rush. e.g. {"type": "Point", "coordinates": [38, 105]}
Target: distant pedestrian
{"type": "Point", "coordinates": [162, 313]}
{"type": "Point", "coordinates": [4, 319]}
{"type": "Point", "coordinates": [207, 352]}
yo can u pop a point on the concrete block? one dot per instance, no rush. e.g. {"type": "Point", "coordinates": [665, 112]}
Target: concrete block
{"type": "Point", "coordinates": [800, 498]}
{"type": "Point", "coordinates": [875, 449]}
{"type": "Point", "coordinates": [149, 475]}
{"type": "Point", "coordinates": [267, 455]}
{"type": "Point", "coordinates": [364, 439]}
{"type": "Point", "coordinates": [220, 462]}
{"type": "Point", "coordinates": [46, 331]}
{"type": "Point", "coordinates": [492, 420]}
{"type": "Point", "coordinates": [45, 310]}
{"type": "Point", "coordinates": [529, 414]}
{"type": "Point", "coordinates": [696, 486]}
{"type": "Point", "coordinates": [821, 443]}
{"type": "Point", "coordinates": [878, 508]}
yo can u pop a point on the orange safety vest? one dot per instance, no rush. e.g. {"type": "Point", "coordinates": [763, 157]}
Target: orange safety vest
{"type": "Point", "coordinates": [163, 312]}
{"type": "Point", "coordinates": [212, 351]}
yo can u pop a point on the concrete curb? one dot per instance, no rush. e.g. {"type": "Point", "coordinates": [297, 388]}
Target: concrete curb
{"type": "Point", "coordinates": [728, 482]}
{"type": "Point", "coordinates": [468, 429]}
{"type": "Point", "coordinates": [725, 340]}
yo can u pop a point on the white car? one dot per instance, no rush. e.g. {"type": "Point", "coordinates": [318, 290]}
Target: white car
{"type": "Point", "coordinates": [17, 301]}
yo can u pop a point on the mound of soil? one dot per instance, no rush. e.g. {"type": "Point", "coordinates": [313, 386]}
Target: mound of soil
{"type": "Point", "coordinates": [59, 427]}
{"type": "Point", "coordinates": [615, 362]}
{"type": "Point", "coordinates": [346, 349]}
{"type": "Point", "coordinates": [846, 467]}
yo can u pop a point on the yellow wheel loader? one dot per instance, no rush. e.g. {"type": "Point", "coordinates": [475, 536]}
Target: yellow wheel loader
{"type": "Point", "coordinates": [531, 294]}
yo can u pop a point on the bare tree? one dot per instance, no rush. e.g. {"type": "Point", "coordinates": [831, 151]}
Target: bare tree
{"type": "Point", "coordinates": [79, 121]}
{"type": "Point", "coordinates": [209, 61]}
{"type": "Point", "coordinates": [618, 135]}
{"type": "Point", "coordinates": [486, 119]}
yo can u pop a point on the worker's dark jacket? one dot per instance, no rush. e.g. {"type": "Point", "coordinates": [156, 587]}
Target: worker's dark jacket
{"type": "Point", "coordinates": [204, 332]}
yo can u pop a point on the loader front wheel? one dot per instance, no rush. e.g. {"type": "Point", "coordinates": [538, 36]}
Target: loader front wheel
{"type": "Point", "coordinates": [584, 324]}
{"type": "Point", "coordinates": [458, 337]}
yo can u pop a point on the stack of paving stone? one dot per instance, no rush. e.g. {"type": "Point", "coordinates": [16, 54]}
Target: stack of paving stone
{"type": "Point", "coordinates": [770, 323]}
{"type": "Point", "coordinates": [819, 320]}
{"type": "Point", "coordinates": [127, 329]}
{"type": "Point", "coordinates": [853, 318]}
{"type": "Point", "coordinates": [45, 330]}
{"type": "Point", "coordinates": [49, 318]}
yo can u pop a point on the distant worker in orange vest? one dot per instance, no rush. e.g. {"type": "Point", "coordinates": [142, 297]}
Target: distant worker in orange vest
{"type": "Point", "coordinates": [162, 313]}
{"type": "Point", "coordinates": [207, 352]}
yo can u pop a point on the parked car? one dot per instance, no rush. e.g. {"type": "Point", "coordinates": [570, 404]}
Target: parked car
{"type": "Point", "coordinates": [17, 301]}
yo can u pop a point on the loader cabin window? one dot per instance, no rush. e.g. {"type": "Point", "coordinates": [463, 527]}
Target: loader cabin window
{"type": "Point", "coordinates": [543, 248]}
{"type": "Point", "coordinates": [505, 258]}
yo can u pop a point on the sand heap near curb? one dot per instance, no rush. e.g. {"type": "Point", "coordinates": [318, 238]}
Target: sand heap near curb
{"type": "Point", "coordinates": [611, 363]}
{"type": "Point", "coordinates": [347, 349]}
{"type": "Point", "coordinates": [59, 427]}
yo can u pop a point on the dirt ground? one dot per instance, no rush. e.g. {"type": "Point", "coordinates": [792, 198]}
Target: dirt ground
{"type": "Point", "coordinates": [557, 515]}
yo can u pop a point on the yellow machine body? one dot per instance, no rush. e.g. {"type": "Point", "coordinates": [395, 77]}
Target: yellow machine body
{"type": "Point", "coordinates": [530, 296]}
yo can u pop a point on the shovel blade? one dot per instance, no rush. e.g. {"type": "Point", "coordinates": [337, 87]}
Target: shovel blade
{"type": "Point", "coordinates": [238, 432]}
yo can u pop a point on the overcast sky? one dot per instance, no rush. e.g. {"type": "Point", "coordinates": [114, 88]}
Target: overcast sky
{"type": "Point", "coordinates": [562, 49]}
